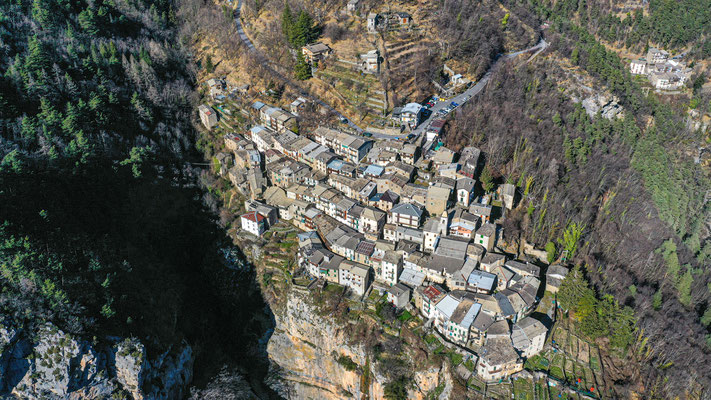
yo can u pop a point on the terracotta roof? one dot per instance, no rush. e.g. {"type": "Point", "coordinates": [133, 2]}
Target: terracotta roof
{"type": "Point", "coordinates": [253, 216]}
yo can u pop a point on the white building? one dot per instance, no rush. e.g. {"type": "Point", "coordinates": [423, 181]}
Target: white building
{"type": "Point", "coordinates": [638, 67]}
{"type": "Point", "coordinates": [465, 191]}
{"type": "Point", "coordinates": [410, 115]}
{"type": "Point", "coordinates": [254, 223]}
{"type": "Point", "coordinates": [354, 276]}
{"type": "Point", "coordinates": [486, 236]}
{"type": "Point", "coordinates": [528, 336]}
{"type": "Point", "coordinates": [399, 295]}
{"type": "Point", "coordinates": [208, 116]}
{"type": "Point", "coordinates": [391, 267]}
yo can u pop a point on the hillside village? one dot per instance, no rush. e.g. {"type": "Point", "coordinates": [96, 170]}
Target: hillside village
{"type": "Point", "coordinates": [405, 218]}
{"type": "Point", "coordinates": [389, 212]}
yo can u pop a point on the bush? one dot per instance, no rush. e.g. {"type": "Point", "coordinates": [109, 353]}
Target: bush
{"type": "Point", "coordinates": [347, 363]}
{"type": "Point", "coordinates": [397, 389]}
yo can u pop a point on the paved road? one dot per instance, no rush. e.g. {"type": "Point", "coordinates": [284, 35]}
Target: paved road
{"type": "Point", "coordinates": [473, 90]}
{"type": "Point", "coordinates": [459, 99]}
{"type": "Point", "coordinates": [287, 81]}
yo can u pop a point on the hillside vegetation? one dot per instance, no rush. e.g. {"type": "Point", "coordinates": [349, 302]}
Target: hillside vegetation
{"type": "Point", "coordinates": [103, 230]}
{"type": "Point", "coordinates": [626, 187]}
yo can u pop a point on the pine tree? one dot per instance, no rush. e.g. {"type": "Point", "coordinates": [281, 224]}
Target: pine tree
{"type": "Point", "coordinates": [36, 59]}
{"type": "Point", "coordinates": [209, 66]}
{"type": "Point", "coordinates": [304, 32]}
{"type": "Point", "coordinates": [287, 24]}
{"type": "Point", "coordinates": [302, 69]}
{"type": "Point", "coordinates": [87, 21]}
{"type": "Point", "coordinates": [70, 123]}
{"type": "Point", "coordinates": [486, 180]}
{"type": "Point", "coordinates": [42, 13]}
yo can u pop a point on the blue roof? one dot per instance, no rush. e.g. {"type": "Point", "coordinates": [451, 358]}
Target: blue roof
{"type": "Point", "coordinates": [336, 164]}
{"type": "Point", "coordinates": [258, 105]}
{"type": "Point", "coordinates": [471, 314]}
{"type": "Point", "coordinates": [482, 279]}
{"type": "Point", "coordinates": [376, 197]}
{"type": "Point", "coordinates": [307, 235]}
{"type": "Point", "coordinates": [257, 129]}
{"type": "Point", "coordinates": [375, 170]}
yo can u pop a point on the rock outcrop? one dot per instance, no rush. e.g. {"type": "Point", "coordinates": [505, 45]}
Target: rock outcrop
{"type": "Point", "coordinates": [47, 363]}
{"type": "Point", "coordinates": [304, 352]}
{"type": "Point", "coordinates": [608, 107]}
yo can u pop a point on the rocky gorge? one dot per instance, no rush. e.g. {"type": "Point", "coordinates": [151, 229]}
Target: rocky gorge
{"type": "Point", "coordinates": [307, 350]}
{"type": "Point", "coordinates": [49, 363]}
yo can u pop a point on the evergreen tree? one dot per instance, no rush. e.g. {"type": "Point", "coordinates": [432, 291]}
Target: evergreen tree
{"type": "Point", "coordinates": [42, 13]}
{"type": "Point", "coordinates": [304, 31]}
{"type": "Point", "coordinates": [486, 179]}
{"type": "Point", "coordinates": [287, 24]}
{"type": "Point", "coordinates": [88, 21]}
{"type": "Point", "coordinates": [302, 69]}
{"type": "Point", "coordinates": [36, 59]}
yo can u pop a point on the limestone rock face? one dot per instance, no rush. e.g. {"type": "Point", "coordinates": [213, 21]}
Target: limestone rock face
{"type": "Point", "coordinates": [131, 366]}
{"type": "Point", "coordinates": [304, 350]}
{"type": "Point", "coordinates": [47, 363]}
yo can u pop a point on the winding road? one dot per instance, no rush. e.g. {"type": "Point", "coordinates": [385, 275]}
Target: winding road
{"type": "Point", "coordinates": [459, 99]}
{"type": "Point", "coordinates": [473, 90]}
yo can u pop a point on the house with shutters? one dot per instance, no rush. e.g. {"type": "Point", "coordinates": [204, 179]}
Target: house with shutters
{"type": "Point", "coordinates": [405, 214]}
{"type": "Point", "coordinates": [254, 223]}
{"type": "Point", "coordinates": [486, 236]}
{"type": "Point", "coordinates": [528, 336]}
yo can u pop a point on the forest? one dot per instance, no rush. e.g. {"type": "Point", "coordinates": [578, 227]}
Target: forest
{"type": "Point", "coordinates": [683, 25]}
{"type": "Point", "coordinates": [104, 229]}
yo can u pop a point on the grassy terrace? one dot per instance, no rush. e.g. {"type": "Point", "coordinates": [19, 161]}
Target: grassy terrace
{"type": "Point", "coordinates": [355, 87]}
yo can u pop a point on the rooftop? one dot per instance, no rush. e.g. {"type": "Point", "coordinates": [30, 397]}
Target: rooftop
{"type": "Point", "coordinates": [487, 230]}
{"type": "Point", "coordinates": [253, 216]}
{"type": "Point", "coordinates": [465, 313]}
{"type": "Point", "coordinates": [447, 306]}
{"type": "Point", "coordinates": [481, 280]}
{"type": "Point", "coordinates": [412, 277]}
{"type": "Point", "coordinates": [498, 352]}
{"type": "Point", "coordinates": [413, 108]}
{"type": "Point", "coordinates": [406, 209]}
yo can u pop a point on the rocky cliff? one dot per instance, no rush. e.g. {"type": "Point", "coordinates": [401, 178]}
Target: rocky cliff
{"type": "Point", "coordinates": [305, 350]}
{"type": "Point", "coordinates": [47, 363]}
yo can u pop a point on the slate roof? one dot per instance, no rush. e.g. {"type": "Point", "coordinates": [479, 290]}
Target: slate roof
{"type": "Point", "coordinates": [507, 309]}
{"type": "Point", "coordinates": [411, 277]}
{"type": "Point", "coordinates": [398, 289]}
{"type": "Point", "coordinates": [487, 230]}
{"type": "Point", "coordinates": [491, 258]}
{"type": "Point", "coordinates": [498, 352]}
{"type": "Point", "coordinates": [482, 280]}
{"type": "Point", "coordinates": [465, 313]}
{"type": "Point", "coordinates": [482, 322]}
{"type": "Point", "coordinates": [452, 247]}
{"type": "Point", "coordinates": [390, 196]}
{"type": "Point", "coordinates": [406, 209]}
{"type": "Point", "coordinates": [523, 268]}
{"type": "Point", "coordinates": [466, 184]}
